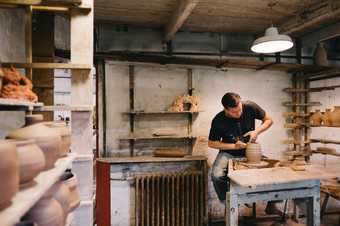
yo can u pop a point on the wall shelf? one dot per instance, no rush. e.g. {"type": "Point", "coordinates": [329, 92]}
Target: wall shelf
{"type": "Point", "coordinates": [16, 105]}
{"type": "Point", "coordinates": [48, 65]}
{"type": "Point", "coordinates": [150, 137]}
{"type": "Point", "coordinates": [162, 112]}
{"type": "Point", "coordinates": [324, 141]}
{"type": "Point", "coordinates": [80, 108]}
{"type": "Point", "coordinates": [288, 104]}
{"type": "Point", "coordinates": [26, 198]}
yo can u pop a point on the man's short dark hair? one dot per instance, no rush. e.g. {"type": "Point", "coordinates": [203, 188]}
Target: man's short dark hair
{"type": "Point", "coordinates": [230, 100]}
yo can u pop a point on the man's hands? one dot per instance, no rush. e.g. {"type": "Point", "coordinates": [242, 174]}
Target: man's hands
{"type": "Point", "coordinates": [253, 136]}
{"type": "Point", "coordinates": [240, 145]}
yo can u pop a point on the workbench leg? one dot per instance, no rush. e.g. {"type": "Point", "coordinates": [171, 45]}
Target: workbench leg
{"type": "Point", "coordinates": [231, 210]}
{"type": "Point", "coordinates": [324, 205]}
{"type": "Point", "coordinates": [313, 216]}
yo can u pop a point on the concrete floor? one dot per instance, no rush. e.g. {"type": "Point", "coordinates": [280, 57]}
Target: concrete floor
{"type": "Point", "coordinates": [263, 220]}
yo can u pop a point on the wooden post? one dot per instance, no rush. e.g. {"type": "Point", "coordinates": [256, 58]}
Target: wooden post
{"type": "Point", "coordinates": [28, 39]}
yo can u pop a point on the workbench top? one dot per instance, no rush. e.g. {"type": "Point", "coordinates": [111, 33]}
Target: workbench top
{"type": "Point", "coordinates": [280, 175]}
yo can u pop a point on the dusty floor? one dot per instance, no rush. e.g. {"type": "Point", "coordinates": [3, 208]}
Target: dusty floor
{"type": "Point", "coordinates": [263, 220]}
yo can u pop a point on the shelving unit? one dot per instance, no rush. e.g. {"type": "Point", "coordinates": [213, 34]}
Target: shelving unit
{"type": "Point", "coordinates": [26, 198]}
{"type": "Point", "coordinates": [81, 66]}
{"type": "Point", "coordinates": [133, 114]}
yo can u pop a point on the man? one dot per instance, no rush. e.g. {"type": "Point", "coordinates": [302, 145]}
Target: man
{"type": "Point", "coordinates": [230, 130]}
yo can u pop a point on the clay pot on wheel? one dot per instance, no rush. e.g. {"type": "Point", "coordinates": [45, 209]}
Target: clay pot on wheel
{"type": "Point", "coordinates": [65, 134]}
{"type": "Point", "coordinates": [31, 160]}
{"type": "Point", "coordinates": [254, 153]}
{"type": "Point", "coordinates": [71, 182]}
{"type": "Point", "coordinates": [46, 138]}
{"type": "Point", "coordinates": [47, 212]}
{"type": "Point", "coordinates": [334, 116]}
{"type": "Point", "coordinates": [9, 172]}
{"type": "Point", "coordinates": [316, 118]}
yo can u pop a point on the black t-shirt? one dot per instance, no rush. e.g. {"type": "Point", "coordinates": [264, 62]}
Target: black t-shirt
{"type": "Point", "coordinates": [230, 130]}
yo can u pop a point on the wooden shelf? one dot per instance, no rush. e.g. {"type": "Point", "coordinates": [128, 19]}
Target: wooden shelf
{"type": "Point", "coordinates": [143, 159]}
{"type": "Point", "coordinates": [80, 108]}
{"type": "Point", "coordinates": [161, 112]}
{"type": "Point", "coordinates": [327, 126]}
{"type": "Point", "coordinates": [48, 65]}
{"type": "Point", "coordinates": [150, 137]}
{"type": "Point", "coordinates": [305, 104]}
{"type": "Point", "coordinates": [324, 141]}
{"type": "Point", "coordinates": [291, 90]}
{"type": "Point", "coordinates": [26, 198]}
{"type": "Point", "coordinates": [15, 105]}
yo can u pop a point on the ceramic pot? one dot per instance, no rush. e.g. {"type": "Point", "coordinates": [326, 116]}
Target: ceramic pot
{"type": "Point", "coordinates": [9, 172]}
{"type": "Point", "coordinates": [71, 182]}
{"type": "Point", "coordinates": [253, 153]}
{"type": "Point", "coordinates": [65, 134]}
{"type": "Point", "coordinates": [46, 138]}
{"type": "Point", "coordinates": [31, 119]}
{"type": "Point", "coordinates": [26, 223]}
{"type": "Point", "coordinates": [334, 116]}
{"type": "Point", "coordinates": [316, 118]}
{"type": "Point", "coordinates": [47, 212]}
{"type": "Point", "coordinates": [320, 55]}
{"type": "Point", "coordinates": [326, 120]}
{"type": "Point", "coordinates": [63, 195]}
{"type": "Point", "coordinates": [31, 160]}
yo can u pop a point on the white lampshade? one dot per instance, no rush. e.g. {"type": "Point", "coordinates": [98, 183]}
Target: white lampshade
{"type": "Point", "coordinates": [272, 42]}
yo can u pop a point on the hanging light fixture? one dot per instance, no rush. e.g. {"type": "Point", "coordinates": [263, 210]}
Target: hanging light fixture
{"type": "Point", "coordinates": [272, 41]}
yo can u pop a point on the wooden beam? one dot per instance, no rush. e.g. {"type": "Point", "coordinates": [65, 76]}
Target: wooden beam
{"type": "Point", "coordinates": [313, 17]}
{"type": "Point", "coordinates": [181, 13]}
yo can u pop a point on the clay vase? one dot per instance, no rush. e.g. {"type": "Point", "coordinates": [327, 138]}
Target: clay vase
{"type": "Point", "coordinates": [71, 182]}
{"type": "Point", "coordinates": [47, 212]}
{"type": "Point", "coordinates": [26, 223]}
{"type": "Point", "coordinates": [9, 172]}
{"type": "Point", "coordinates": [326, 117]}
{"type": "Point", "coordinates": [320, 55]}
{"type": "Point", "coordinates": [253, 153]}
{"type": "Point", "coordinates": [334, 116]}
{"type": "Point", "coordinates": [46, 138]}
{"type": "Point", "coordinates": [63, 195]}
{"type": "Point", "coordinates": [316, 118]}
{"type": "Point", "coordinates": [31, 161]}
{"type": "Point", "coordinates": [65, 134]}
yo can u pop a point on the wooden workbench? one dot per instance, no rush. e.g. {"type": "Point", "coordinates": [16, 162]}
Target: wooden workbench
{"type": "Point", "coordinates": [270, 184]}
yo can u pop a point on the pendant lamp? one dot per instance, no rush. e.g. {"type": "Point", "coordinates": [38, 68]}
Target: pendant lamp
{"type": "Point", "coordinates": [272, 42]}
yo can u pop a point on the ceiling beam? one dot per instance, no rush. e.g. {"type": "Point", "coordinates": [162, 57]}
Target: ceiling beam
{"type": "Point", "coordinates": [313, 17]}
{"type": "Point", "coordinates": [181, 13]}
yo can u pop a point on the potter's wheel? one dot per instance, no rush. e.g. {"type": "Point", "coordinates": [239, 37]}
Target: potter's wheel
{"type": "Point", "coordinates": [261, 164]}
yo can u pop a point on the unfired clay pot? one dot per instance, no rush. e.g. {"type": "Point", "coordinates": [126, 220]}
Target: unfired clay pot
{"type": "Point", "coordinates": [9, 172]}
{"type": "Point", "coordinates": [47, 212]}
{"type": "Point", "coordinates": [334, 116]}
{"type": "Point", "coordinates": [253, 153]}
{"type": "Point", "coordinates": [316, 118]}
{"type": "Point", "coordinates": [46, 138]}
{"type": "Point", "coordinates": [65, 134]}
{"type": "Point", "coordinates": [31, 119]}
{"type": "Point", "coordinates": [72, 183]}
{"type": "Point", "coordinates": [326, 117]}
{"type": "Point", "coordinates": [31, 160]}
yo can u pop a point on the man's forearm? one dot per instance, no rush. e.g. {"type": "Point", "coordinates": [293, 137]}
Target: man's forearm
{"type": "Point", "coordinates": [264, 126]}
{"type": "Point", "coordinates": [222, 146]}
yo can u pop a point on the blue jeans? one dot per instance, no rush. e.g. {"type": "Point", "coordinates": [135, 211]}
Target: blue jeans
{"type": "Point", "coordinates": [219, 174]}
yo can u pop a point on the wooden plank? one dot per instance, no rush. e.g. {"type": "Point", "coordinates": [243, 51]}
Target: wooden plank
{"type": "Point", "coordinates": [317, 15]}
{"type": "Point", "coordinates": [103, 210]}
{"type": "Point", "coordinates": [48, 65]}
{"type": "Point", "coordinates": [80, 108]}
{"type": "Point", "coordinates": [324, 141]}
{"type": "Point", "coordinates": [181, 13]}
{"type": "Point", "coordinates": [161, 112]}
{"type": "Point", "coordinates": [40, 2]}
{"type": "Point", "coordinates": [144, 159]}
{"type": "Point", "coordinates": [137, 137]}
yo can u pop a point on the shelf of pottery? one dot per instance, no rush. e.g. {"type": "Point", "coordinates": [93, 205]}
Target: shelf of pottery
{"type": "Point", "coordinates": [300, 119]}
{"type": "Point", "coordinates": [38, 186]}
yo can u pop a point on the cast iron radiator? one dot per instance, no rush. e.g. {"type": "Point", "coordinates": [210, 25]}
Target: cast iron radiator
{"type": "Point", "coordinates": [170, 199]}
